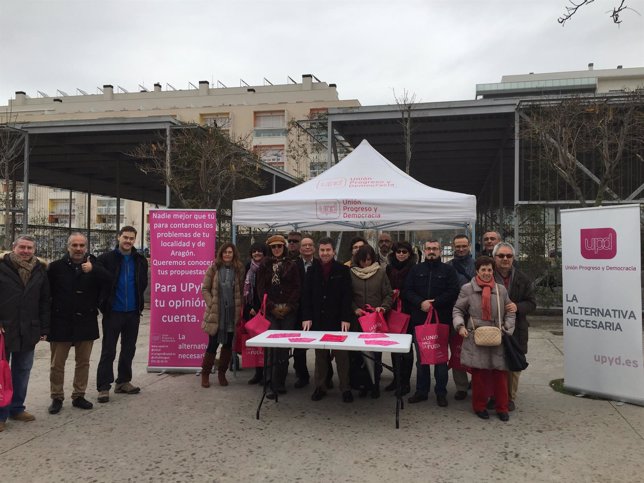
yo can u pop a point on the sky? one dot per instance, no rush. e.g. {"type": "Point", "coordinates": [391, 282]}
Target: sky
{"type": "Point", "coordinates": [436, 50]}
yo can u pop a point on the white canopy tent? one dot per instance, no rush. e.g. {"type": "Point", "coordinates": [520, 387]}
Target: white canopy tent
{"type": "Point", "coordinates": [364, 191]}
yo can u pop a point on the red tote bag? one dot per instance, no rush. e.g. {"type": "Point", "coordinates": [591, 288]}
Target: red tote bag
{"type": "Point", "coordinates": [455, 345]}
{"type": "Point", "coordinates": [259, 323]}
{"type": "Point", "coordinates": [6, 385]}
{"type": "Point", "coordinates": [432, 340]}
{"type": "Point", "coordinates": [373, 321]}
{"type": "Point", "coordinates": [397, 320]}
{"type": "Point", "coordinates": [251, 356]}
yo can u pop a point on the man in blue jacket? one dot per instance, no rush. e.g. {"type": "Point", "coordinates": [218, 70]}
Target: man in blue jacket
{"type": "Point", "coordinates": [121, 305]}
{"type": "Point", "coordinates": [431, 284]}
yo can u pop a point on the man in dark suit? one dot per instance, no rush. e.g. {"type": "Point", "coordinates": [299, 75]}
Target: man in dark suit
{"type": "Point", "coordinates": [326, 305]}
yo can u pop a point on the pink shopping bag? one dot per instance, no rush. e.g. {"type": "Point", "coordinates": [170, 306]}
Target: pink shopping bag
{"type": "Point", "coordinates": [259, 323]}
{"type": "Point", "coordinates": [432, 340]}
{"type": "Point", "coordinates": [373, 321]}
{"type": "Point", "coordinates": [397, 320]}
{"type": "Point", "coordinates": [251, 356]}
{"type": "Point", "coordinates": [6, 385]}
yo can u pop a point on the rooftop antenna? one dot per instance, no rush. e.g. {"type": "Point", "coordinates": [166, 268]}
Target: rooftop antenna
{"type": "Point", "coordinates": [78, 89]}
{"type": "Point", "coordinates": [143, 88]}
{"type": "Point", "coordinates": [122, 89]}
{"type": "Point", "coordinates": [42, 94]}
{"type": "Point", "coordinates": [243, 83]}
{"type": "Point", "coordinates": [170, 86]}
{"type": "Point", "coordinates": [99, 89]}
{"type": "Point", "coordinates": [221, 84]}
{"type": "Point", "coordinates": [62, 93]}
{"type": "Point", "coordinates": [266, 81]}
{"type": "Point", "coordinates": [190, 84]}
{"type": "Point", "coordinates": [289, 78]}
{"type": "Point", "coordinates": [316, 78]}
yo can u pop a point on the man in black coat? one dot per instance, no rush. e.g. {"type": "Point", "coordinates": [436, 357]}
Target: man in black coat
{"type": "Point", "coordinates": [431, 284]}
{"type": "Point", "coordinates": [121, 304]}
{"type": "Point", "coordinates": [24, 319]}
{"type": "Point", "coordinates": [75, 281]}
{"type": "Point", "coordinates": [522, 301]}
{"type": "Point", "coordinates": [326, 305]}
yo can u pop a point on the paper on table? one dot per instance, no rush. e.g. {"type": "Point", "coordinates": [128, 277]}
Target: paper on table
{"type": "Point", "coordinates": [283, 335]}
{"type": "Point", "coordinates": [301, 339]}
{"type": "Point", "coordinates": [333, 338]}
{"type": "Point", "coordinates": [372, 335]}
{"type": "Point", "coordinates": [380, 342]}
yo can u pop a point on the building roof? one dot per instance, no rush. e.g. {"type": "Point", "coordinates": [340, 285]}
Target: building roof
{"type": "Point", "coordinates": [92, 156]}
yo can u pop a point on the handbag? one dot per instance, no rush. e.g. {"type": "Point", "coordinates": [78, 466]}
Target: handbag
{"type": "Point", "coordinates": [373, 321]}
{"type": "Point", "coordinates": [432, 340]}
{"type": "Point", "coordinates": [259, 323]}
{"type": "Point", "coordinates": [488, 336]}
{"type": "Point", "coordinates": [397, 320]}
{"type": "Point", "coordinates": [6, 384]}
{"type": "Point", "coordinates": [251, 356]}
{"type": "Point", "coordinates": [514, 356]}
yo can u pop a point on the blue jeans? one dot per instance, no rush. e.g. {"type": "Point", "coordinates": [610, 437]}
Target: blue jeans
{"type": "Point", "coordinates": [21, 363]}
{"type": "Point", "coordinates": [423, 376]}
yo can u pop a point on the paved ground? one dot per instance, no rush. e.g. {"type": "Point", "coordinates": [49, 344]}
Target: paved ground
{"type": "Point", "coordinates": [176, 431]}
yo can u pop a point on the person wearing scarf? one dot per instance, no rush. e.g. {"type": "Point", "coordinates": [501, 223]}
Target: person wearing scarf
{"type": "Point", "coordinates": [257, 253]}
{"type": "Point", "coordinates": [24, 319]}
{"type": "Point", "coordinates": [483, 302]}
{"type": "Point", "coordinates": [401, 260]}
{"type": "Point", "coordinates": [370, 287]}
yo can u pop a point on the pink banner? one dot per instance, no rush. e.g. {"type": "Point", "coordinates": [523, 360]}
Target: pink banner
{"type": "Point", "coordinates": [182, 245]}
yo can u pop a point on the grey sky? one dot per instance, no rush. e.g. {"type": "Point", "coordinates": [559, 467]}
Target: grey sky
{"type": "Point", "coordinates": [436, 49]}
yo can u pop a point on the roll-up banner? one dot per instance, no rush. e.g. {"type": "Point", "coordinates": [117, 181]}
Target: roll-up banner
{"type": "Point", "coordinates": [182, 247]}
{"type": "Point", "coordinates": [603, 302]}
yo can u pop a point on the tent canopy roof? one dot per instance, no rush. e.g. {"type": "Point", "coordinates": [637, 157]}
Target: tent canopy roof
{"type": "Point", "coordinates": [363, 191]}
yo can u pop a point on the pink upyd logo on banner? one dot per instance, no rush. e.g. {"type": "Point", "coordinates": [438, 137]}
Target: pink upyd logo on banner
{"type": "Point", "coordinates": [598, 243]}
{"type": "Point", "coordinates": [182, 245]}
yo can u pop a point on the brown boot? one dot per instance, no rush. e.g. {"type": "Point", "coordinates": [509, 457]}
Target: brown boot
{"type": "Point", "coordinates": [224, 360]}
{"type": "Point", "coordinates": [206, 368]}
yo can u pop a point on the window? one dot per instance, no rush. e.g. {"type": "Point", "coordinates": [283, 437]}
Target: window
{"type": "Point", "coordinates": [270, 123]}
{"type": "Point", "coordinates": [221, 120]}
{"type": "Point", "coordinates": [273, 155]}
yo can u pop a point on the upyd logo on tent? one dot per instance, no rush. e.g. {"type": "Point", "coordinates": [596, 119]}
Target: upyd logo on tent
{"type": "Point", "coordinates": [598, 243]}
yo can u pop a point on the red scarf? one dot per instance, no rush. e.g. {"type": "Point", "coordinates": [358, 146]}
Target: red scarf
{"type": "Point", "coordinates": [486, 298]}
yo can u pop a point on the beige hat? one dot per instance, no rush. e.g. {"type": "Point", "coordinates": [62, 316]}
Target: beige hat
{"type": "Point", "coordinates": [276, 239]}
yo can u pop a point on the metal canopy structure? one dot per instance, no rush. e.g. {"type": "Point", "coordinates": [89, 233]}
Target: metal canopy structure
{"type": "Point", "coordinates": [463, 146]}
{"type": "Point", "coordinates": [92, 156]}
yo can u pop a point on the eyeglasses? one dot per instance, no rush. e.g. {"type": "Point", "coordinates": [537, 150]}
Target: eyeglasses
{"type": "Point", "coordinates": [294, 241]}
{"type": "Point", "coordinates": [404, 252]}
{"type": "Point", "coordinates": [258, 250]}
{"type": "Point", "coordinates": [504, 255]}
{"type": "Point", "coordinates": [273, 247]}
{"type": "Point", "coordinates": [432, 249]}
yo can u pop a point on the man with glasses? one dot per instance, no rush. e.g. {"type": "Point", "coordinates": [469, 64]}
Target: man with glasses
{"type": "Point", "coordinates": [384, 248]}
{"type": "Point", "coordinates": [431, 284]}
{"type": "Point", "coordinates": [490, 240]}
{"type": "Point", "coordinates": [463, 263]}
{"type": "Point", "coordinates": [294, 239]}
{"type": "Point", "coordinates": [304, 262]}
{"type": "Point", "coordinates": [279, 278]}
{"type": "Point", "coordinates": [522, 301]}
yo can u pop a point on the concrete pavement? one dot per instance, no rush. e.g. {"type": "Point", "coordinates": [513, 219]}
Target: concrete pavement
{"type": "Point", "coordinates": [174, 430]}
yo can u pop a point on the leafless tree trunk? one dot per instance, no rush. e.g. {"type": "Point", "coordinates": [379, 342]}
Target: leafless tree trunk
{"type": "Point", "coordinates": [12, 142]}
{"type": "Point", "coordinates": [406, 103]}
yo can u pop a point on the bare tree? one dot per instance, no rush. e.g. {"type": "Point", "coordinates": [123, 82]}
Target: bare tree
{"type": "Point", "coordinates": [207, 168]}
{"type": "Point", "coordinates": [573, 7]}
{"type": "Point", "coordinates": [406, 103]}
{"type": "Point", "coordinates": [585, 138]}
{"type": "Point", "coordinates": [306, 147]}
{"type": "Point", "coordinates": [12, 144]}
